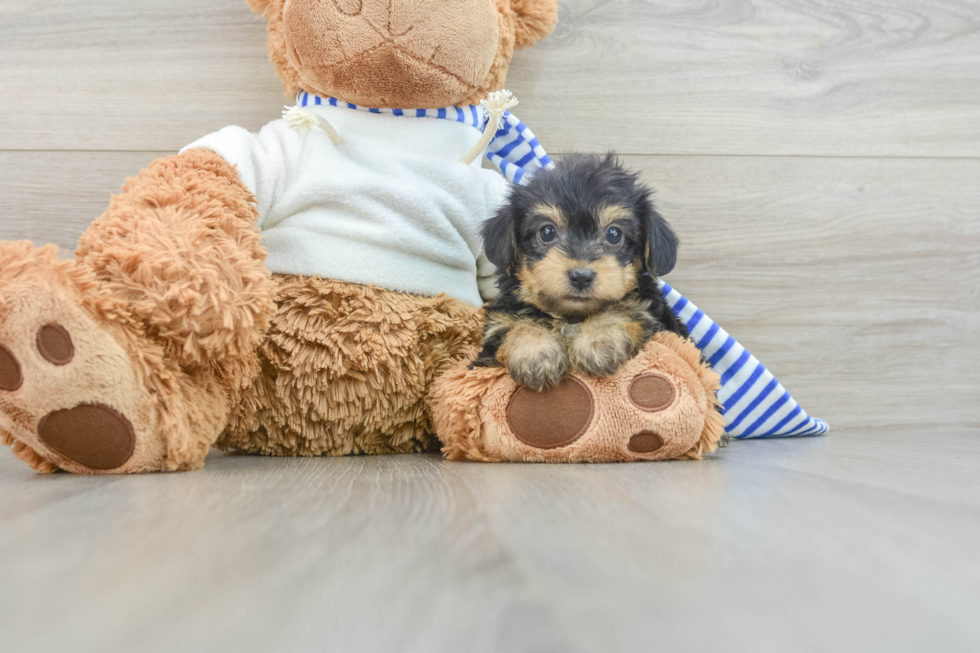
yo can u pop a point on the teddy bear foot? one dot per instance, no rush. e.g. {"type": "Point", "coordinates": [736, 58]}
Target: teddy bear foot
{"type": "Point", "coordinates": [69, 394]}
{"type": "Point", "coordinates": [650, 416]}
{"type": "Point", "coordinates": [562, 416]}
{"type": "Point", "coordinates": [659, 406]}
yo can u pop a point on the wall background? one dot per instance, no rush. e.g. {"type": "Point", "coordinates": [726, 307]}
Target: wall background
{"type": "Point", "coordinates": [820, 159]}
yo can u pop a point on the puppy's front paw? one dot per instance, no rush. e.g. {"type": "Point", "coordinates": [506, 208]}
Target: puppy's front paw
{"type": "Point", "coordinates": [484, 361]}
{"type": "Point", "coordinates": [600, 351]}
{"type": "Point", "coordinates": [534, 357]}
{"type": "Point", "coordinates": [539, 372]}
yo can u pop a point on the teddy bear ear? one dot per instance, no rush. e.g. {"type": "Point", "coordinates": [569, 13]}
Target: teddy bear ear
{"type": "Point", "coordinates": [535, 20]}
{"type": "Point", "coordinates": [263, 7]}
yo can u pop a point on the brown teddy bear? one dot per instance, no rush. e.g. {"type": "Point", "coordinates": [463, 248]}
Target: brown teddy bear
{"type": "Point", "coordinates": [174, 328]}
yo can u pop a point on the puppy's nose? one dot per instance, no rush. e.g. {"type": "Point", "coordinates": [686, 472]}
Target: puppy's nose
{"type": "Point", "coordinates": [581, 278]}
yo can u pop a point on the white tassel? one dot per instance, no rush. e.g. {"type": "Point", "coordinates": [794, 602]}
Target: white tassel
{"type": "Point", "coordinates": [301, 120]}
{"type": "Point", "coordinates": [496, 104]}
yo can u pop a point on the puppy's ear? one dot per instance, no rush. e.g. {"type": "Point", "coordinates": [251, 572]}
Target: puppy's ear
{"type": "Point", "coordinates": [662, 242]}
{"type": "Point", "coordinates": [500, 237]}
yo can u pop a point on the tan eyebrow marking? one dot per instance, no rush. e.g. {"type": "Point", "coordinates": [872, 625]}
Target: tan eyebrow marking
{"type": "Point", "coordinates": [609, 214]}
{"type": "Point", "coordinates": [551, 212]}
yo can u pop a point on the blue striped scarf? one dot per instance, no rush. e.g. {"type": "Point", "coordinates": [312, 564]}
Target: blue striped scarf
{"type": "Point", "coordinates": [514, 150]}
{"type": "Point", "coordinates": [754, 403]}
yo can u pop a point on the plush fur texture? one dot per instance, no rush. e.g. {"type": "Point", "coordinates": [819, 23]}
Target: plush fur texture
{"type": "Point", "coordinates": [471, 412]}
{"type": "Point", "coordinates": [401, 53]}
{"type": "Point", "coordinates": [346, 369]}
{"type": "Point", "coordinates": [180, 247]}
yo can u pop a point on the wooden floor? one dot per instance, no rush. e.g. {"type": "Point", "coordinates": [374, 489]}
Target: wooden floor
{"type": "Point", "coordinates": [864, 541]}
{"type": "Point", "coordinates": [821, 162]}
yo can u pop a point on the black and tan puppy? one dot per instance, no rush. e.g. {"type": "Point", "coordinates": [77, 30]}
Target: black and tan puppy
{"type": "Point", "coordinates": [578, 252]}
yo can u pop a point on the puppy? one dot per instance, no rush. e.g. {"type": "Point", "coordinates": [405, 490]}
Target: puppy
{"type": "Point", "coordinates": [578, 251]}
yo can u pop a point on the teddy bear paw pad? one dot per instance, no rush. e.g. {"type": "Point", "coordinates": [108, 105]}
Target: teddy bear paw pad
{"type": "Point", "coordinates": [54, 344]}
{"type": "Point", "coordinates": [10, 375]}
{"type": "Point", "coordinates": [553, 418]}
{"type": "Point", "coordinates": [645, 442]}
{"type": "Point", "coordinates": [92, 435]}
{"type": "Point", "coordinates": [652, 393]}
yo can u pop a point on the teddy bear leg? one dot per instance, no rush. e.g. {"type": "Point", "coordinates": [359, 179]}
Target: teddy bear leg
{"type": "Point", "coordinates": [127, 358]}
{"type": "Point", "coordinates": [660, 405]}
{"type": "Point", "coordinates": [346, 370]}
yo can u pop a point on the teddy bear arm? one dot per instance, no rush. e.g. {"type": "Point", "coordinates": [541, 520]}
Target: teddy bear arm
{"type": "Point", "coordinates": [179, 245]}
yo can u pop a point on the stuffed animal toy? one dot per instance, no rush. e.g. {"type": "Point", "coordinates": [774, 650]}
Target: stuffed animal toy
{"type": "Point", "coordinates": [174, 328]}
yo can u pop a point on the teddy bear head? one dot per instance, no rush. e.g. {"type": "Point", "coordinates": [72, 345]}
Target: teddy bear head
{"type": "Point", "coordinates": [401, 53]}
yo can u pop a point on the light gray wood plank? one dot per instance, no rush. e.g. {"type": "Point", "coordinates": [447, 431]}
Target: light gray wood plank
{"type": "Point", "coordinates": [51, 197]}
{"type": "Point", "coordinates": [768, 546]}
{"type": "Point", "coordinates": [822, 77]}
{"type": "Point", "coordinates": [131, 75]}
{"type": "Point", "coordinates": [865, 77]}
{"type": "Point", "coordinates": [857, 281]}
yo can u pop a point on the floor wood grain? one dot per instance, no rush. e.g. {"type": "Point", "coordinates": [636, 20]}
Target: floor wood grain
{"type": "Point", "coordinates": [820, 159]}
{"type": "Point", "coordinates": [864, 541]}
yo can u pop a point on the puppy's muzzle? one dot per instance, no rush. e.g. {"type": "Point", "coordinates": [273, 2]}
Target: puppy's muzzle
{"type": "Point", "coordinates": [581, 278]}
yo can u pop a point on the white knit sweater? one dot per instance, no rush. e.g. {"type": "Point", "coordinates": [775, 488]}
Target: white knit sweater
{"type": "Point", "coordinates": [392, 206]}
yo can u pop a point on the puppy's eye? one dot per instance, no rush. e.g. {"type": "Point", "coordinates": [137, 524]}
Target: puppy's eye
{"type": "Point", "coordinates": [614, 235]}
{"type": "Point", "coordinates": [548, 233]}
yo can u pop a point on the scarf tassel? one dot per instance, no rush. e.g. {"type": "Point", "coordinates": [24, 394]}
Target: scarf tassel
{"type": "Point", "coordinates": [496, 104]}
{"type": "Point", "coordinates": [301, 120]}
